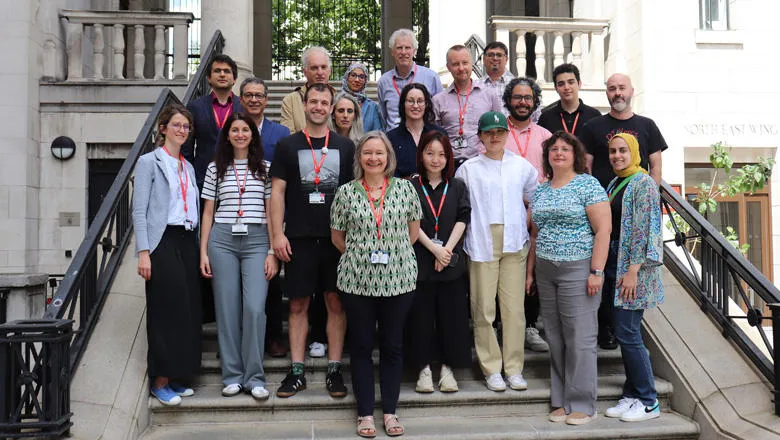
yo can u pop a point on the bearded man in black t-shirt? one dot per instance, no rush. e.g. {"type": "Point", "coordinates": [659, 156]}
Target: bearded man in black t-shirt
{"type": "Point", "coordinates": [621, 119]}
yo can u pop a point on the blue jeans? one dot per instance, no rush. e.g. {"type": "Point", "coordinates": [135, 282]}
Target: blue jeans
{"type": "Point", "coordinates": [640, 383]}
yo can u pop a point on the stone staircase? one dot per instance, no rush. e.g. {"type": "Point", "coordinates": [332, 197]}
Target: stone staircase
{"type": "Point", "coordinates": [472, 413]}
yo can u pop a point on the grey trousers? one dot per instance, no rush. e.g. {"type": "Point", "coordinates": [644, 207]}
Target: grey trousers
{"type": "Point", "coordinates": [240, 289]}
{"type": "Point", "coordinates": [570, 319]}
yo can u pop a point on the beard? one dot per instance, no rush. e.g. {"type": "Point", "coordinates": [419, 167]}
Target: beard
{"type": "Point", "coordinates": [620, 106]}
{"type": "Point", "coordinates": [521, 118]}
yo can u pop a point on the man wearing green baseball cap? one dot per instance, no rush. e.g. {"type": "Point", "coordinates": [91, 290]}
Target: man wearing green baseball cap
{"type": "Point", "coordinates": [501, 186]}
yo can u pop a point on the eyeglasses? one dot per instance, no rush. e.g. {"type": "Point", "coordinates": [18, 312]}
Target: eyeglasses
{"type": "Point", "coordinates": [257, 96]}
{"type": "Point", "coordinates": [179, 126]}
{"type": "Point", "coordinates": [411, 102]}
{"type": "Point", "coordinates": [360, 76]}
{"type": "Point", "coordinates": [526, 98]}
{"type": "Point", "coordinates": [494, 55]}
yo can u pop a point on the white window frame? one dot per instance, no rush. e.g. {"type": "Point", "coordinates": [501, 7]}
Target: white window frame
{"type": "Point", "coordinates": [714, 15]}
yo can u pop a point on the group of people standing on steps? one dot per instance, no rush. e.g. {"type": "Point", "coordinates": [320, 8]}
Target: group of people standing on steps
{"type": "Point", "coordinates": [465, 208]}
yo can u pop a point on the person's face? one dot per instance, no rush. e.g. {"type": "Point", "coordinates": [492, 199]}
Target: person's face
{"type": "Point", "coordinates": [344, 114]}
{"type": "Point", "coordinates": [567, 86]}
{"type": "Point", "coordinates": [495, 61]}
{"type": "Point", "coordinates": [433, 158]}
{"type": "Point", "coordinates": [561, 156]}
{"type": "Point", "coordinates": [403, 52]}
{"type": "Point", "coordinates": [373, 157]}
{"type": "Point", "coordinates": [619, 154]}
{"type": "Point", "coordinates": [415, 105]}
{"type": "Point", "coordinates": [356, 80]}
{"type": "Point", "coordinates": [254, 99]}
{"type": "Point", "coordinates": [221, 76]}
{"type": "Point", "coordinates": [318, 107]}
{"type": "Point", "coordinates": [459, 65]}
{"type": "Point", "coordinates": [493, 139]}
{"type": "Point", "coordinates": [239, 135]}
{"type": "Point", "coordinates": [177, 130]}
{"type": "Point", "coordinates": [521, 102]}
{"type": "Point", "coordinates": [619, 92]}
{"type": "Point", "coordinates": [318, 68]}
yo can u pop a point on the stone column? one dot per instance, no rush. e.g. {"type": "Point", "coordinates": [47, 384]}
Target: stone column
{"type": "Point", "coordinates": [236, 21]}
{"type": "Point", "coordinates": [263, 36]}
{"type": "Point", "coordinates": [395, 14]}
{"type": "Point", "coordinates": [25, 295]}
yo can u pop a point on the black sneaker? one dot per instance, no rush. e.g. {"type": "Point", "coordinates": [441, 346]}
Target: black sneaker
{"type": "Point", "coordinates": [291, 385]}
{"type": "Point", "coordinates": [335, 384]}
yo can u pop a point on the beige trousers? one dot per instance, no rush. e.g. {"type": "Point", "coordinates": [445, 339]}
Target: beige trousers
{"type": "Point", "coordinates": [504, 277]}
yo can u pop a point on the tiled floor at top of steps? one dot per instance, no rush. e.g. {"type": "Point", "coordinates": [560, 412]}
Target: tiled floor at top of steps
{"type": "Point", "coordinates": [669, 426]}
{"type": "Point", "coordinates": [473, 399]}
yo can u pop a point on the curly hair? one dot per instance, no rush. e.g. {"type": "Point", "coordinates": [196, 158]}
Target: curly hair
{"type": "Point", "coordinates": [537, 91]}
{"type": "Point", "coordinates": [580, 162]}
{"type": "Point", "coordinates": [224, 155]}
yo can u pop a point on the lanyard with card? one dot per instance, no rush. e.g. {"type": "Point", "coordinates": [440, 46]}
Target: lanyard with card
{"type": "Point", "coordinates": [183, 185]}
{"type": "Point", "coordinates": [239, 228]}
{"type": "Point", "coordinates": [462, 109]}
{"type": "Point", "coordinates": [436, 213]}
{"type": "Point", "coordinates": [378, 256]}
{"type": "Point", "coordinates": [522, 149]}
{"type": "Point", "coordinates": [316, 197]}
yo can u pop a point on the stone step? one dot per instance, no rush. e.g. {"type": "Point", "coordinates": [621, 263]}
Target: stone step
{"type": "Point", "coordinates": [669, 426]}
{"type": "Point", "coordinates": [473, 399]}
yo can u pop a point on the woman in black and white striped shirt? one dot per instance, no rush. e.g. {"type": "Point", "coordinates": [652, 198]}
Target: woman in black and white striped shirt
{"type": "Point", "coordinates": [235, 252]}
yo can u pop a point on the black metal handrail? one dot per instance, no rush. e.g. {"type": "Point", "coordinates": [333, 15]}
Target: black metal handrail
{"type": "Point", "coordinates": [199, 86]}
{"type": "Point", "coordinates": [476, 48]}
{"type": "Point", "coordinates": [720, 274]}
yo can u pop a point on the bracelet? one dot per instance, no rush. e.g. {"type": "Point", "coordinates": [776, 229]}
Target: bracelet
{"type": "Point", "coordinates": [271, 252]}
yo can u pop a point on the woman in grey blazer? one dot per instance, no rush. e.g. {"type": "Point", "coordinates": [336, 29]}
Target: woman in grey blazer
{"type": "Point", "coordinates": [165, 218]}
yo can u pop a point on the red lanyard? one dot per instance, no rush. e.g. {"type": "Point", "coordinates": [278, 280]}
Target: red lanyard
{"type": "Point", "coordinates": [216, 117]}
{"type": "Point", "coordinates": [462, 110]}
{"type": "Point", "coordinates": [183, 184]}
{"type": "Point", "coordinates": [317, 165]}
{"type": "Point", "coordinates": [241, 188]}
{"type": "Point", "coordinates": [397, 90]}
{"type": "Point", "coordinates": [436, 214]}
{"type": "Point", "coordinates": [573, 127]}
{"type": "Point", "coordinates": [517, 141]}
{"type": "Point", "coordinates": [377, 213]}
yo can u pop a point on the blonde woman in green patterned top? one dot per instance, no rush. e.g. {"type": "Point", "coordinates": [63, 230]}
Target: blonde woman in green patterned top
{"type": "Point", "coordinates": [374, 221]}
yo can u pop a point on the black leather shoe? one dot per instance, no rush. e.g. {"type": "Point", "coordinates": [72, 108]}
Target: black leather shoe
{"type": "Point", "coordinates": [607, 341]}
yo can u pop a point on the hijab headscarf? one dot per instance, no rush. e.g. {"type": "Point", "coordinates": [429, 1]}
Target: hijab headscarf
{"type": "Point", "coordinates": [360, 95]}
{"type": "Point", "coordinates": [633, 146]}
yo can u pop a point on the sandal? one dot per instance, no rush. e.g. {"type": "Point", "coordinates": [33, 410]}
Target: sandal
{"type": "Point", "coordinates": [366, 427]}
{"type": "Point", "coordinates": [393, 427]}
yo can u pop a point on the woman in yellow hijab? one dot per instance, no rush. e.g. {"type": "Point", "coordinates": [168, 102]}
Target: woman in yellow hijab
{"type": "Point", "coordinates": [635, 258]}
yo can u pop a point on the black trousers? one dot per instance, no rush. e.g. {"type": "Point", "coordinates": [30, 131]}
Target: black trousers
{"type": "Point", "coordinates": [607, 306]}
{"type": "Point", "coordinates": [274, 312]}
{"type": "Point", "coordinates": [173, 306]}
{"type": "Point", "coordinates": [438, 325]}
{"type": "Point", "coordinates": [363, 315]}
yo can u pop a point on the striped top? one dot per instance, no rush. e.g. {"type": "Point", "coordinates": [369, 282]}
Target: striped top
{"type": "Point", "coordinates": [225, 191]}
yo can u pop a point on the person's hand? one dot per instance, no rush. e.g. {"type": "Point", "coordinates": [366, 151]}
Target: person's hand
{"type": "Point", "coordinates": [594, 284]}
{"type": "Point", "coordinates": [144, 265]}
{"type": "Point", "coordinates": [205, 266]}
{"type": "Point", "coordinates": [282, 247]}
{"type": "Point", "coordinates": [438, 267]}
{"type": "Point", "coordinates": [271, 267]}
{"type": "Point", "coordinates": [529, 282]}
{"type": "Point", "coordinates": [442, 254]}
{"type": "Point", "coordinates": [627, 286]}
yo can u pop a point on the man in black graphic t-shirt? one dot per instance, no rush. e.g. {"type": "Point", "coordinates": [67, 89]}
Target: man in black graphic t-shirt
{"type": "Point", "coordinates": [307, 169]}
{"type": "Point", "coordinates": [621, 119]}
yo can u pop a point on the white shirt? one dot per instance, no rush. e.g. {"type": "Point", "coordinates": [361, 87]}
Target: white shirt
{"type": "Point", "coordinates": [176, 214]}
{"type": "Point", "coordinates": [518, 181]}
{"type": "Point", "coordinates": [495, 191]}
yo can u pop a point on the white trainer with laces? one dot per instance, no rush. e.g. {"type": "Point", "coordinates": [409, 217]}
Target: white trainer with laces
{"type": "Point", "coordinates": [425, 381]}
{"type": "Point", "coordinates": [260, 393]}
{"type": "Point", "coordinates": [535, 342]}
{"type": "Point", "coordinates": [317, 349]}
{"type": "Point", "coordinates": [639, 412]}
{"type": "Point", "coordinates": [495, 382]}
{"type": "Point", "coordinates": [516, 382]}
{"type": "Point", "coordinates": [622, 406]}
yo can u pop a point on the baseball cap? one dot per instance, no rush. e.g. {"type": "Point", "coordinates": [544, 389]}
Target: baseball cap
{"type": "Point", "coordinates": [491, 120]}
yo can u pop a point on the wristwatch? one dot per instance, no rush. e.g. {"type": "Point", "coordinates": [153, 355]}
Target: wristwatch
{"type": "Point", "coordinates": [597, 272]}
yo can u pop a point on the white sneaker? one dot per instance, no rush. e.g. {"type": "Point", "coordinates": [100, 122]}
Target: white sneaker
{"type": "Point", "coordinates": [516, 382]}
{"type": "Point", "coordinates": [447, 382]}
{"type": "Point", "coordinates": [495, 382]}
{"type": "Point", "coordinates": [231, 390]}
{"type": "Point", "coordinates": [317, 349]}
{"type": "Point", "coordinates": [260, 393]}
{"type": "Point", "coordinates": [533, 341]}
{"type": "Point", "coordinates": [639, 412]}
{"type": "Point", "coordinates": [539, 324]}
{"type": "Point", "coordinates": [425, 381]}
{"type": "Point", "coordinates": [622, 406]}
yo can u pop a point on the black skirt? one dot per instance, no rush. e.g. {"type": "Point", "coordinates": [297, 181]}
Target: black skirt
{"type": "Point", "coordinates": [173, 306]}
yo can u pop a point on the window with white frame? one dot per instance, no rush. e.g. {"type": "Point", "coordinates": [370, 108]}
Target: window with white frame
{"type": "Point", "coordinates": [714, 14]}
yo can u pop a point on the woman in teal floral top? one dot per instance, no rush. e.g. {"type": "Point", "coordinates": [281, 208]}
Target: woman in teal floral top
{"type": "Point", "coordinates": [374, 221]}
{"type": "Point", "coordinates": [635, 258]}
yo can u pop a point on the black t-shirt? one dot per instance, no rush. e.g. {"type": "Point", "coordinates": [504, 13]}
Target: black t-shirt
{"type": "Point", "coordinates": [457, 208]}
{"type": "Point", "coordinates": [552, 114]}
{"type": "Point", "coordinates": [294, 164]}
{"type": "Point", "coordinates": [617, 209]}
{"type": "Point", "coordinates": [597, 133]}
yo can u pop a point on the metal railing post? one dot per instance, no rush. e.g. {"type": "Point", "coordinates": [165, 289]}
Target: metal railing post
{"type": "Point", "coordinates": [775, 307]}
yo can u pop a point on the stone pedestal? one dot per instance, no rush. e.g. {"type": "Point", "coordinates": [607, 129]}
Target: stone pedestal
{"type": "Point", "coordinates": [235, 19]}
{"type": "Point", "coordinates": [26, 295]}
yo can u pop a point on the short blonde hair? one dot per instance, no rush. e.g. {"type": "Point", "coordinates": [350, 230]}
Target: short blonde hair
{"type": "Point", "coordinates": [391, 161]}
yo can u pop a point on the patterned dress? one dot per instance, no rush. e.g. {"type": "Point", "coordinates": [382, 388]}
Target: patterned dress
{"type": "Point", "coordinates": [351, 213]}
{"type": "Point", "coordinates": [641, 242]}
